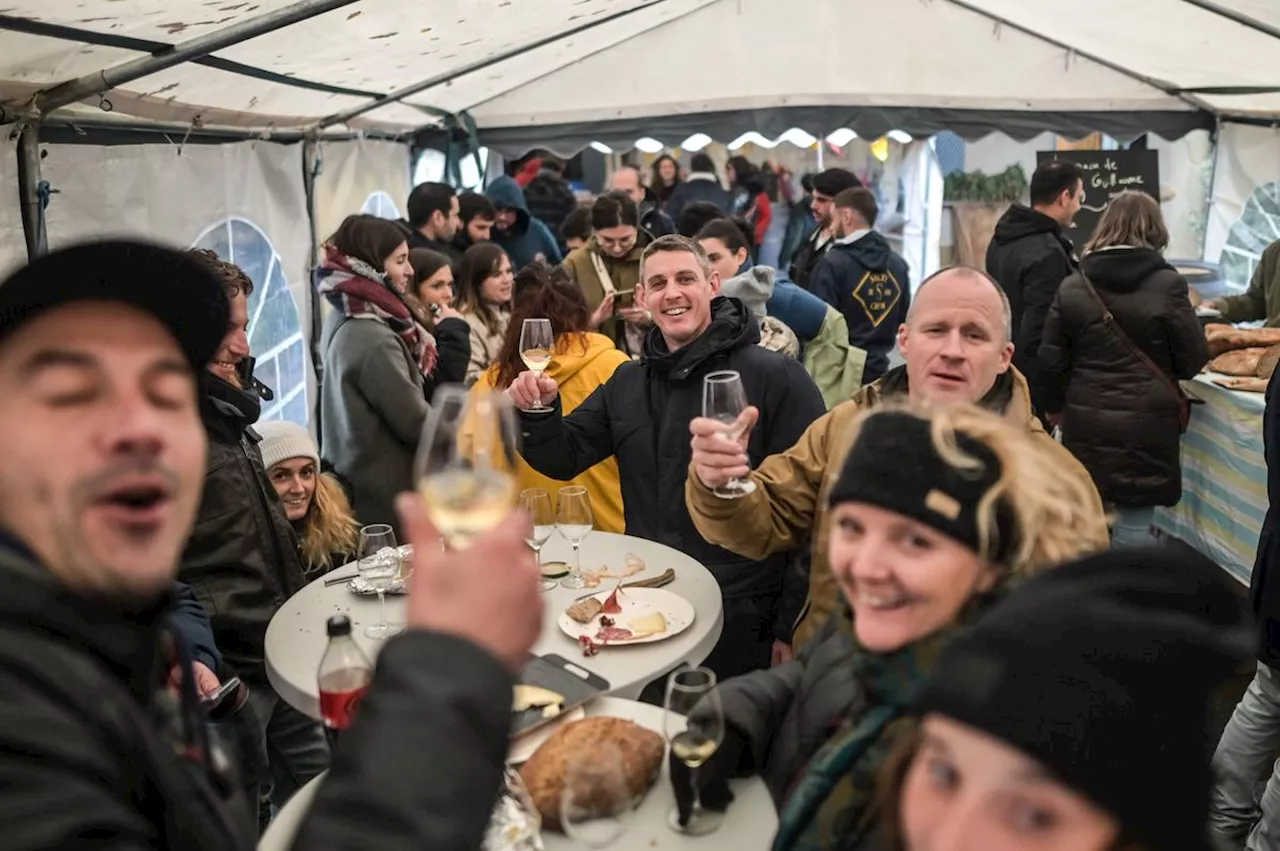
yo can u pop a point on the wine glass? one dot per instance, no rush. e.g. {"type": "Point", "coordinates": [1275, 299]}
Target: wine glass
{"type": "Point", "coordinates": [596, 803]}
{"type": "Point", "coordinates": [466, 462]}
{"type": "Point", "coordinates": [536, 345]}
{"type": "Point", "coordinates": [574, 522]}
{"type": "Point", "coordinates": [379, 566]}
{"type": "Point", "coordinates": [694, 725]}
{"type": "Point", "coordinates": [723, 400]}
{"type": "Point", "coordinates": [537, 502]}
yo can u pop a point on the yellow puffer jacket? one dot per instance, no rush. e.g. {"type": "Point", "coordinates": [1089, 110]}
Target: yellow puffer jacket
{"type": "Point", "coordinates": [582, 362]}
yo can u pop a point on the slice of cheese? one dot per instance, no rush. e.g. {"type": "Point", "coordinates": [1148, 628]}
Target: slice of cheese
{"type": "Point", "coordinates": [528, 697]}
{"type": "Point", "coordinates": [651, 624]}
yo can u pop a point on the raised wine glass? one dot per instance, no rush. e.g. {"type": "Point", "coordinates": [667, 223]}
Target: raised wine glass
{"type": "Point", "coordinates": [537, 502]}
{"type": "Point", "coordinates": [574, 521]}
{"type": "Point", "coordinates": [536, 346]}
{"type": "Point", "coordinates": [694, 726]}
{"type": "Point", "coordinates": [466, 462]}
{"type": "Point", "coordinates": [379, 566]}
{"type": "Point", "coordinates": [723, 400]}
{"type": "Point", "coordinates": [596, 803]}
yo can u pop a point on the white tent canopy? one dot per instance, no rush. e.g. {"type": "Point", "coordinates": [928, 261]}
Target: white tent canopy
{"type": "Point", "coordinates": [568, 71]}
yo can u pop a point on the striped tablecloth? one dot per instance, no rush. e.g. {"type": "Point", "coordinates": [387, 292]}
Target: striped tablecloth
{"type": "Point", "coordinates": [1224, 478]}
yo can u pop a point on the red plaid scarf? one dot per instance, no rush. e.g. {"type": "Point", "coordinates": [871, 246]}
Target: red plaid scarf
{"type": "Point", "coordinates": [356, 289]}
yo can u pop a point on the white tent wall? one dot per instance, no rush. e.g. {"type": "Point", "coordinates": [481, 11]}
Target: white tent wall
{"type": "Point", "coordinates": [13, 246]}
{"type": "Point", "coordinates": [245, 201]}
{"type": "Point", "coordinates": [351, 176]}
{"type": "Point", "coordinates": [1245, 215]}
{"type": "Point", "coordinates": [1185, 168]}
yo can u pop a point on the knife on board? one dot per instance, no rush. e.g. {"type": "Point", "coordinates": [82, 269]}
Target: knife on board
{"type": "Point", "coordinates": [665, 578]}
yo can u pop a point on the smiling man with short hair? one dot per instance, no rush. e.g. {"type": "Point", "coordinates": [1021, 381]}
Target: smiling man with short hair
{"type": "Point", "coordinates": [956, 343]}
{"type": "Point", "coordinates": [641, 415]}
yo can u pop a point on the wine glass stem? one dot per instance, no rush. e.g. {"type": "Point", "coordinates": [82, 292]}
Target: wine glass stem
{"type": "Point", "coordinates": [577, 560]}
{"type": "Point", "coordinates": [537, 553]}
{"type": "Point", "coordinates": [382, 607]}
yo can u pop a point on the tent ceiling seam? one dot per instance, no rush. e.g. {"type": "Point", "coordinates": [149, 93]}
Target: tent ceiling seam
{"type": "Point", "coordinates": [62, 32]}
{"type": "Point", "coordinates": [431, 82]}
{"type": "Point", "coordinates": [1238, 17]}
{"type": "Point", "coordinates": [1120, 69]}
{"type": "Point", "coordinates": [657, 25]}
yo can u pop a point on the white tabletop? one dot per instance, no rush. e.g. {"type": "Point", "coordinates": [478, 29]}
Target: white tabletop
{"type": "Point", "coordinates": [296, 635]}
{"type": "Point", "coordinates": [750, 823]}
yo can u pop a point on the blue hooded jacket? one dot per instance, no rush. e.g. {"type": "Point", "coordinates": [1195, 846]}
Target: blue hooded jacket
{"type": "Point", "coordinates": [528, 237]}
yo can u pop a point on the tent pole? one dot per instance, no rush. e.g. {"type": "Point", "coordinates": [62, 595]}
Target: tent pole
{"type": "Point", "coordinates": [470, 68]}
{"type": "Point", "coordinates": [102, 81]}
{"type": "Point", "coordinates": [1238, 17]}
{"type": "Point", "coordinates": [29, 177]}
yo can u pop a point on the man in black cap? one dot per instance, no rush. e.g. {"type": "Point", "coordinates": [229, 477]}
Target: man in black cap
{"type": "Point", "coordinates": [826, 186]}
{"type": "Point", "coordinates": [101, 349]}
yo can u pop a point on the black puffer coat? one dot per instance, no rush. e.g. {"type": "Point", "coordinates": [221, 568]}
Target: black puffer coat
{"type": "Point", "coordinates": [1264, 586]}
{"type": "Point", "coordinates": [242, 558]}
{"type": "Point", "coordinates": [1120, 419]}
{"type": "Point", "coordinates": [641, 415]}
{"type": "Point", "coordinates": [1030, 258]}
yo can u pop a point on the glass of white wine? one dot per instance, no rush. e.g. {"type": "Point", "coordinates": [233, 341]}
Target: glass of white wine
{"type": "Point", "coordinates": [537, 342]}
{"type": "Point", "coordinates": [466, 462]}
{"type": "Point", "coordinates": [537, 503]}
{"type": "Point", "coordinates": [694, 725]}
{"type": "Point", "coordinates": [574, 521]}
{"type": "Point", "coordinates": [596, 804]}
{"type": "Point", "coordinates": [379, 566]}
{"type": "Point", "coordinates": [723, 400]}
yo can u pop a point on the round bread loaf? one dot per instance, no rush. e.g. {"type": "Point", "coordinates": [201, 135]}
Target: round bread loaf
{"type": "Point", "coordinates": [642, 751]}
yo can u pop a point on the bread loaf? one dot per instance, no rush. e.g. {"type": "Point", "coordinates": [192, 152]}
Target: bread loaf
{"type": "Point", "coordinates": [1238, 362]}
{"type": "Point", "coordinates": [642, 753]}
{"type": "Point", "coordinates": [1245, 383]}
{"type": "Point", "coordinates": [1227, 338]}
{"type": "Point", "coordinates": [1267, 363]}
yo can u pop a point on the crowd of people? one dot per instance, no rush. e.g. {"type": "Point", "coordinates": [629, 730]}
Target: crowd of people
{"type": "Point", "coordinates": [943, 626]}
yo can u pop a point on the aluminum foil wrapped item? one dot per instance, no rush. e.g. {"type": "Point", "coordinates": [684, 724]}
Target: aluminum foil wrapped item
{"type": "Point", "coordinates": [515, 825]}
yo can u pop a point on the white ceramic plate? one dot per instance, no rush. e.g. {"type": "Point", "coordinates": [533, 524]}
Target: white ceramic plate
{"type": "Point", "coordinates": [635, 603]}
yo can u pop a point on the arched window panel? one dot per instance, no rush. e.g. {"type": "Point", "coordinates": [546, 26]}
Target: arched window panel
{"type": "Point", "coordinates": [1257, 227]}
{"type": "Point", "coordinates": [380, 204]}
{"type": "Point", "coordinates": [275, 326]}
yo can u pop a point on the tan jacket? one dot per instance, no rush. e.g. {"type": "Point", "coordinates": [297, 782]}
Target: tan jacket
{"type": "Point", "coordinates": [791, 494]}
{"type": "Point", "coordinates": [485, 346]}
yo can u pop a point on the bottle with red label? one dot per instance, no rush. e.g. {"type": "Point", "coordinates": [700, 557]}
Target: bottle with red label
{"type": "Point", "coordinates": [345, 674]}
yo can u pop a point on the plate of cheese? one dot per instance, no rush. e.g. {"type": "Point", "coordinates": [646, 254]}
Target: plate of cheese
{"type": "Point", "coordinates": [626, 616]}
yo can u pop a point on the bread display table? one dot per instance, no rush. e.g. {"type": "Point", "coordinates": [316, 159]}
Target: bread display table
{"type": "Point", "coordinates": [296, 638]}
{"type": "Point", "coordinates": [749, 826]}
{"type": "Point", "coordinates": [1224, 477]}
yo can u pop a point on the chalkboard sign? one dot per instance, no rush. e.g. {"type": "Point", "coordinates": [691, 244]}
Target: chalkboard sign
{"type": "Point", "coordinates": [1106, 174]}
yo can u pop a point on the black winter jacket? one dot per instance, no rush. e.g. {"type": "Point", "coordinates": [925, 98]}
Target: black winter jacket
{"type": "Point", "coordinates": [785, 714]}
{"type": "Point", "coordinates": [418, 240]}
{"type": "Point", "coordinates": [870, 285]}
{"type": "Point", "coordinates": [91, 751]}
{"type": "Point", "coordinates": [453, 345]}
{"type": "Point", "coordinates": [1029, 257]}
{"type": "Point", "coordinates": [641, 415]}
{"type": "Point", "coordinates": [1120, 419]}
{"type": "Point", "coordinates": [1264, 587]}
{"type": "Point", "coordinates": [242, 558]}
{"type": "Point", "coordinates": [551, 200]}
{"type": "Point", "coordinates": [808, 256]}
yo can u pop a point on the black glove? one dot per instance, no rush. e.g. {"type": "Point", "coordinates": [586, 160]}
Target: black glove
{"type": "Point", "coordinates": [712, 778]}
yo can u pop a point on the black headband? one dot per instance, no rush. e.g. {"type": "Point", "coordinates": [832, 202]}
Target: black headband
{"type": "Point", "coordinates": [894, 465]}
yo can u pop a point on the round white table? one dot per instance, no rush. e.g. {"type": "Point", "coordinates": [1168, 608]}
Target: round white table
{"type": "Point", "coordinates": [296, 635]}
{"type": "Point", "coordinates": [750, 823]}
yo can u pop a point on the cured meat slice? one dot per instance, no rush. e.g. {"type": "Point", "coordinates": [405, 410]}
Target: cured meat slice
{"type": "Point", "coordinates": [589, 647]}
{"type": "Point", "coordinates": [611, 604]}
{"type": "Point", "coordinates": [612, 633]}
{"type": "Point", "coordinates": [1243, 362]}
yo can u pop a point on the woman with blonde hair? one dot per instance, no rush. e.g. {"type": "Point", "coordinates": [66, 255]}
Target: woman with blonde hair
{"type": "Point", "coordinates": [1120, 334]}
{"type": "Point", "coordinates": [314, 502]}
{"type": "Point", "coordinates": [935, 514]}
